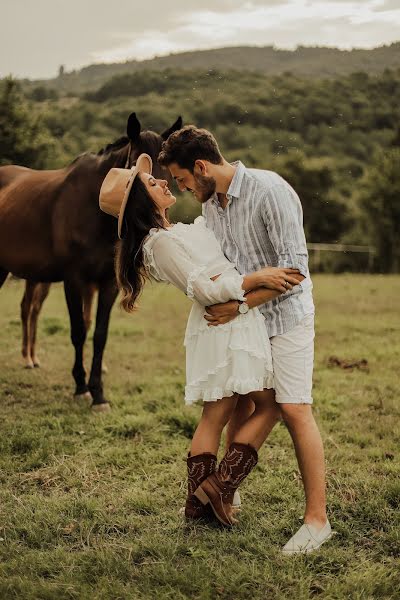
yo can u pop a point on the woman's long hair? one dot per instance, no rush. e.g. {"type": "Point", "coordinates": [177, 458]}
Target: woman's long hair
{"type": "Point", "coordinates": [141, 215]}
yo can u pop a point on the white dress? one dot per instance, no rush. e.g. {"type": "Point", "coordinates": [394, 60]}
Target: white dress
{"type": "Point", "coordinates": [222, 360]}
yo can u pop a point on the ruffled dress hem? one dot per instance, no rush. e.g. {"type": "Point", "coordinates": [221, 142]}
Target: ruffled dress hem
{"type": "Point", "coordinates": [195, 395]}
{"type": "Point", "coordinates": [234, 358]}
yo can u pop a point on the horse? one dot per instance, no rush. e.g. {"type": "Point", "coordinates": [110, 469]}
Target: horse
{"type": "Point", "coordinates": [32, 301]}
{"type": "Point", "coordinates": [52, 229]}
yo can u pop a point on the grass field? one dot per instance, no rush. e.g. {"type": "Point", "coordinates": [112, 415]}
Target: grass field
{"type": "Point", "coordinates": [89, 503]}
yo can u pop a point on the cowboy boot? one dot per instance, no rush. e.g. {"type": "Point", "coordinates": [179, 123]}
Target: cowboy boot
{"type": "Point", "coordinates": [199, 468]}
{"type": "Point", "coordinates": [219, 487]}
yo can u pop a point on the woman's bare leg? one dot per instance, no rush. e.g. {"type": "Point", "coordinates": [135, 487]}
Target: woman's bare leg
{"type": "Point", "coordinates": [207, 436]}
{"type": "Point", "coordinates": [260, 423]}
{"type": "Point", "coordinates": [218, 489]}
{"type": "Point", "coordinates": [244, 408]}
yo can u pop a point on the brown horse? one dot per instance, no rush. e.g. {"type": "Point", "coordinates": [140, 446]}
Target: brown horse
{"type": "Point", "coordinates": [51, 229]}
{"type": "Point", "coordinates": [31, 305]}
{"type": "Point", "coordinates": [34, 296]}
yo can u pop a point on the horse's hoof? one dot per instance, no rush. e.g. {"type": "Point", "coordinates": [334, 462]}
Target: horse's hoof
{"type": "Point", "coordinates": [84, 396]}
{"type": "Point", "coordinates": [36, 364]}
{"type": "Point", "coordinates": [100, 408]}
{"type": "Point", "coordinates": [28, 365]}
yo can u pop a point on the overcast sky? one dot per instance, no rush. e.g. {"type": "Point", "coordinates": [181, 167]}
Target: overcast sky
{"type": "Point", "coordinates": [37, 36]}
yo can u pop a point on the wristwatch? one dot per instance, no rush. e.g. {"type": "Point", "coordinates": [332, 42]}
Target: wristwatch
{"type": "Point", "coordinates": [243, 307]}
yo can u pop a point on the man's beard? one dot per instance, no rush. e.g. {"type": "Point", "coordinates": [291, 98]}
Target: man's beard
{"type": "Point", "coordinates": [205, 187]}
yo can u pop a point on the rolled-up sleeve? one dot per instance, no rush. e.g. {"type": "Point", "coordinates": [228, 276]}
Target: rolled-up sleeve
{"type": "Point", "coordinates": [283, 218]}
{"type": "Point", "coordinates": [175, 266]}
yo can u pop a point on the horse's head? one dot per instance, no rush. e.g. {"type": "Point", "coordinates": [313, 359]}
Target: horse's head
{"type": "Point", "coordinates": [149, 142]}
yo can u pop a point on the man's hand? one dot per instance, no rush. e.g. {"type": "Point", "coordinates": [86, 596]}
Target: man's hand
{"type": "Point", "coordinates": [219, 314]}
{"type": "Point", "coordinates": [279, 279]}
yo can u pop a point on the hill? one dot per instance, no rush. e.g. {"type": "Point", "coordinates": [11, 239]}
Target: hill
{"type": "Point", "coordinates": [315, 62]}
{"type": "Point", "coordinates": [328, 137]}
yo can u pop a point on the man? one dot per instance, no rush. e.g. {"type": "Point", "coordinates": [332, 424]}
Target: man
{"type": "Point", "coordinates": [258, 220]}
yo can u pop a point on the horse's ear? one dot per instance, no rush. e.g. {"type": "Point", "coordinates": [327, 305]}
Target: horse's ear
{"type": "Point", "coordinates": [133, 128]}
{"type": "Point", "coordinates": [177, 125]}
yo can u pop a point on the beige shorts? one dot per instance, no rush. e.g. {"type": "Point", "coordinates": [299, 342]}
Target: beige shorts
{"type": "Point", "coordinates": [293, 362]}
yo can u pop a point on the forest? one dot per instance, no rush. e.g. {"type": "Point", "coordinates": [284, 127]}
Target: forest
{"type": "Point", "coordinates": [335, 139]}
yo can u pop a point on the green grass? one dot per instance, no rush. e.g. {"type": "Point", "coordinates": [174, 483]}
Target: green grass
{"type": "Point", "coordinates": [89, 503]}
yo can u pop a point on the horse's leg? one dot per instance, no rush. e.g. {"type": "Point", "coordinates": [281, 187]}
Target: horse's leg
{"type": "Point", "coordinates": [26, 307]}
{"type": "Point", "coordinates": [39, 297]}
{"type": "Point", "coordinates": [107, 294]}
{"type": "Point", "coordinates": [73, 296]}
{"type": "Point", "coordinates": [3, 276]}
{"type": "Point", "coordinates": [89, 291]}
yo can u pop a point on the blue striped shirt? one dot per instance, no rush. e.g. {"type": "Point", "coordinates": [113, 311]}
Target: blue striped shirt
{"type": "Point", "coordinates": [262, 225]}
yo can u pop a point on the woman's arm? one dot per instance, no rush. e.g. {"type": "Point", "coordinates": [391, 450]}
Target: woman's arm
{"type": "Point", "coordinates": [174, 265]}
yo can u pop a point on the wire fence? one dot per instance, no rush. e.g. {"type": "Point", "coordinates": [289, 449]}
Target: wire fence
{"type": "Point", "coordinates": [317, 263]}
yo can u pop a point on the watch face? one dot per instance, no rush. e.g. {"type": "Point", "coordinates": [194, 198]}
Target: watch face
{"type": "Point", "coordinates": [243, 308]}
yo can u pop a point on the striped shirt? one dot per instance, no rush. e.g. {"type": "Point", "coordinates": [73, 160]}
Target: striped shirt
{"type": "Point", "coordinates": [262, 225]}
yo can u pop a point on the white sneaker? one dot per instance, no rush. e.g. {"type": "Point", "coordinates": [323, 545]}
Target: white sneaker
{"type": "Point", "coordinates": [307, 539]}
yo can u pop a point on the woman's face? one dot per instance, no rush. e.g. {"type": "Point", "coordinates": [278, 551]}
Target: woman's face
{"type": "Point", "coordinates": [159, 192]}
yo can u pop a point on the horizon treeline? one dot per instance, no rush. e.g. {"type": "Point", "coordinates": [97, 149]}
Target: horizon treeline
{"type": "Point", "coordinates": [335, 140]}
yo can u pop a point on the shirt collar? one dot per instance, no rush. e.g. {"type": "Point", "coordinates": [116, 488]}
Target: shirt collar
{"type": "Point", "coordinates": [236, 183]}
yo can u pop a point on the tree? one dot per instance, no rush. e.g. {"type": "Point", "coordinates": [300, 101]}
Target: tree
{"type": "Point", "coordinates": [24, 140]}
{"type": "Point", "coordinates": [325, 217]}
{"type": "Point", "coordinates": [41, 93]}
{"type": "Point", "coordinates": [380, 199]}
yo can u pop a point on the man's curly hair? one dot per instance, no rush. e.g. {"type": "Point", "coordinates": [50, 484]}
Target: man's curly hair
{"type": "Point", "coordinates": [187, 145]}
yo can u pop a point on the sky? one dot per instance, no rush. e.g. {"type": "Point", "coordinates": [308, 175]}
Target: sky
{"type": "Point", "coordinates": [37, 36]}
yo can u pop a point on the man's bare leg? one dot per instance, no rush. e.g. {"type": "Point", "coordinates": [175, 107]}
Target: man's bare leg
{"type": "Point", "coordinates": [308, 447]}
{"type": "Point", "coordinates": [310, 457]}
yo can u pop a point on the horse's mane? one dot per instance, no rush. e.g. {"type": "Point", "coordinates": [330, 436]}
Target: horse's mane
{"type": "Point", "coordinates": [119, 143]}
{"type": "Point", "coordinates": [152, 144]}
{"type": "Point", "coordinates": [149, 139]}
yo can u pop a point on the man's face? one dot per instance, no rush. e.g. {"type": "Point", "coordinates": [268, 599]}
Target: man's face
{"type": "Point", "coordinates": [198, 182]}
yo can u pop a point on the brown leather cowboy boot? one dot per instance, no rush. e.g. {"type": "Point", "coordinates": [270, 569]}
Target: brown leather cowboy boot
{"type": "Point", "coordinates": [218, 489]}
{"type": "Point", "coordinates": [199, 468]}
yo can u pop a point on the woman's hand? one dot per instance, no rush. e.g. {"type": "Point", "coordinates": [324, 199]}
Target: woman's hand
{"type": "Point", "coordinates": [272, 282]}
{"type": "Point", "coordinates": [219, 314]}
{"type": "Point", "coordinates": [279, 279]}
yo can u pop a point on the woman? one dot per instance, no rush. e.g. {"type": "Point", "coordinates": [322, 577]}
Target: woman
{"type": "Point", "coordinates": [221, 362]}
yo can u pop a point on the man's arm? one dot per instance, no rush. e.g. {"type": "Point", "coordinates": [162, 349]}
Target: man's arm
{"type": "Point", "coordinates": [283, 218]}
{"type": "Point", "coordinates": [223, 313]}
{"type": "Point", "coordinates": [282, 215]}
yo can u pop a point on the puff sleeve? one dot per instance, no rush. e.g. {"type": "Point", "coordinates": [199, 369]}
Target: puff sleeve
{"type": "Point", "coordinates": [167, 259]}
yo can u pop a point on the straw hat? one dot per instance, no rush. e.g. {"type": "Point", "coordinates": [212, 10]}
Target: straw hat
{"type": "Point", "coordinates": [114, 192]}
